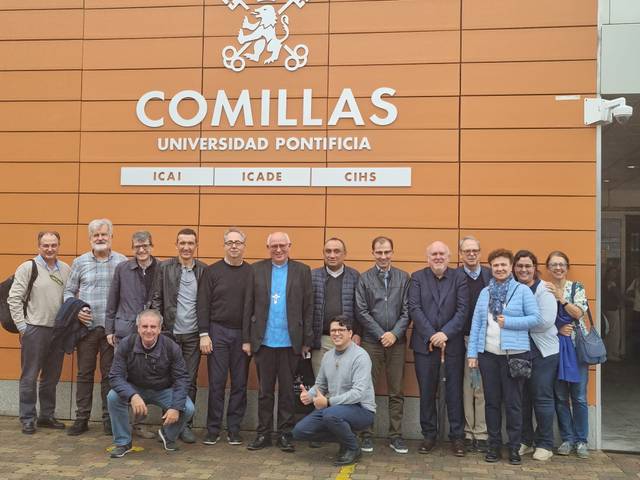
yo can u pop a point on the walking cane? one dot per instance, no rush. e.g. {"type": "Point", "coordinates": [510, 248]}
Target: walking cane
{"type": "Point", "coordinates": [442, 386]}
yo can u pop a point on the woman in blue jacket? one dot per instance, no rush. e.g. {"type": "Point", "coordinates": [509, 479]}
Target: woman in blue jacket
{"type": "Point", "coordinates": [504, 313]}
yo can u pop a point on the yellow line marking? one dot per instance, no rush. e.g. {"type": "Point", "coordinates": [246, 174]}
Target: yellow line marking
{"type": "Point", "coordinates": [345, 472]}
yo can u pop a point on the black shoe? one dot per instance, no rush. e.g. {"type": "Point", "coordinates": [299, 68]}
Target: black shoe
{"type": "Point", "coordinates": [234, 438]}
{"type": "Point", "coordinates": [366, 445]}
{"type": "Point", "coordinates": [260, 442]}
{"type": "Point", "coordinates": [211, 438]}
{"type": "Point", "coordinates": [514, 456]}
{"type": "Point", "coordinates": [284, 443]}
{"type": "Point", "coordinates": [29, 427]}
{"type": "Point", "coordinates": [187, 436]}
{"type": "Point", "coordinates": [458, 448]}
{"type": "Point", "coordinates": [79, 427]}
{"type": "Point", "coordinates": [482, 446]}
{"type": "Point", "coordinates": [493, 455]}
{"type": "Point", "coordinates": [169, 445]}
{"type": "Point", "coordinates": [349, 457]}
{"type": "Point", "coordinates": [106, 427]}
{"type": "Point", "coordinates": [50, 422]}
{"type": "Point", "coordinates": [427, 445]}
{"type": "Point", "coordinates": [470, 444]}
{"type": "Point", "coordinates": [120, 451]}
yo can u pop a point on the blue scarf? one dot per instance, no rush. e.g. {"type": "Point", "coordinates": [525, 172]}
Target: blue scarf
{"type": "Point", "coordinates": [498, 295]}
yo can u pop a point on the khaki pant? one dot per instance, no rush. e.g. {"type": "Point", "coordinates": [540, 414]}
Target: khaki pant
{"type": "Point", "coordinates": [390, 362]}
{"type": "Point", "coordinates": [316, 355]}
{"type": "Point", "coordinates": [475, 425]}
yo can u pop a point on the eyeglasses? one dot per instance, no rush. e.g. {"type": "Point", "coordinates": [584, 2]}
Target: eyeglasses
{"type": "Point", "coordinates": [141, 247]}
{"type": "Point", "coordinates": [335, 331]}
{"type": "Point", "coordinates": [234, 243]}
{"type": "Point", "coordinates": [471, 251]}
{"type": "Point", "coordinates": [279, 246]}
{"type": "Point", "coordinates": [557, 265]}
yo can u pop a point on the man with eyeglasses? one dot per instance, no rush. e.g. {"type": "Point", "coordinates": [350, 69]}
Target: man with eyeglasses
{"type": "Point", "coordinates": [34, 314]}
{"type": "Point", "coordinates": [381, 302]}
{"type": "Point", "coordinates": [220, 310]}
{"type": "Point", "coordinates": [277, 332]}
{"type": "Point", "coordinates": [343, 395]}
{"type": "Point", "coordinates": [438, 306]}
{"type": "Point", "coordinates": [478, 277]}
{"type": "Point", "coordinates": [130, 293]}
{"type": "Point", "coordinates": [175, 295]}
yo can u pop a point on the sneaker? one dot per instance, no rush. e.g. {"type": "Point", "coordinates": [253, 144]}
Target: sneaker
{"type": "Point", "coordinates": [79, 427]}
{"type": "Point", "coordinates": [366, 444]}
{"type": "Point", "coordinates": [581, 450]}
{"type": "Point", "coordinates": [398, 445]}
{"type": "Point", "coordinates": [187, 436]}
{"type": "Point", "coordinates": [169, 445]}
{"type": "Point", "coordinates": [211, 438]}
{"type": "Point", "coordinates": [525, 449]}
{"type": "Point", "coordinates": [120, 451]}
{"type": "Point", "coordinates": [542, 454]}
{"type": "Point", "coordinates": [234, 438]}
{"type": "Point", "coordinates": [565, 449]}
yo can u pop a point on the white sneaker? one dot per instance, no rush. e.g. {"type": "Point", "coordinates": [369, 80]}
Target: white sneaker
{"type": "Point", "coordinates": [542, 454]}
{"type": "Point", "coordinates": [565, 449]}
{"type": "Point", "coordinates": [525, 449]}
{"type": "Point", "coordinates": [581, 450]}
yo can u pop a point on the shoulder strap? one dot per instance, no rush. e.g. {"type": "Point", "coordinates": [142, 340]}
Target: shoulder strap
{"type": "Point", "coordinates": [32, 280]}
{"type": "Point", "coordinates": [574, 286]}
{"type": "Point", "coordinates": [512, 294]}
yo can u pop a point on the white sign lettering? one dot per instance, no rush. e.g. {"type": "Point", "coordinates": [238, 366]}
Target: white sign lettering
{"type": "Point", "coordinates": [361, 177]}
{"type": "Point", "coordinates": [262, 177]}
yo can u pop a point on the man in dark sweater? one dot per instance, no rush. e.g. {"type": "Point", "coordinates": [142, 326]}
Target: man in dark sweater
{"type": "Point", "coordinates": [220, 310]}
{"type": "Point", "coordinates": [475, 427]}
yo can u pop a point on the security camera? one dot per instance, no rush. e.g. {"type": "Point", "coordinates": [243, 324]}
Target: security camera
{"type": "Point", "coordinates": [602, 112]}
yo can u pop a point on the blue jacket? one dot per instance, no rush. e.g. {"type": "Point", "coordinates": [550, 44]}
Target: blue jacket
{"type": "Point", "coordinates": [349, 282]}
{"type": "Point", "coordinates": [520, 314]}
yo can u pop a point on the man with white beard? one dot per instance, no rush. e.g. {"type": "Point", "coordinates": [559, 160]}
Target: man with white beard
{"type": "Point", "coordinates": [90, 279]}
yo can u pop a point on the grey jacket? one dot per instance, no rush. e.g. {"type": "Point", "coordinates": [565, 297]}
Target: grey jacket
{"type": "Point", "coordinates": [127, 297]}
{"type": "Point", "coordinates": [165, 289]}
{"type": "Point", "coordinates": [381, 309]}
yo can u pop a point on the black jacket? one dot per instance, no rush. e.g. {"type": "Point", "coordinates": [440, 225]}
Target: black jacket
{"type": "Point", "coordinates": [67, 326]}
{"type": "Point", "coordinates": [163, 367]}
{"type": "Point", "coordinates": [165, 289]}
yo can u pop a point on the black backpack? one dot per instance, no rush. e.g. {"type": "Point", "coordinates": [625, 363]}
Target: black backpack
{"type": "Point", "coordinates": [5, 314]}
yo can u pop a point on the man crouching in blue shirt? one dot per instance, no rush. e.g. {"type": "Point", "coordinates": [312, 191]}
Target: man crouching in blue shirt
{"type": "Point", "coordinates": [343, 395]}
{"type": "Point", "coordinates": [148, 368]}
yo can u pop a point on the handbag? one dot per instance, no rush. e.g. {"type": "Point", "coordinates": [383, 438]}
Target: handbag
{"type": "Point", "coordinates": [519, 367]}
{"type": "Point", "coordinates": [590, 347]}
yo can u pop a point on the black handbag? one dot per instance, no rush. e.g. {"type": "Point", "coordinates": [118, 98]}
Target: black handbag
{"type": "Point", "coordinates": [519, 367]}
{"type": "Point", "coordinates": [304, 375]}
{"type": "Point", "coordinates": [590, 347]}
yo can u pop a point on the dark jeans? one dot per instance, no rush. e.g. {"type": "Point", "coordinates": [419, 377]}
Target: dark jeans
{"type": "Point", "coordinates": [334, 424]}
{"type": "Point", "coordinates": [389, 362]}
{"type": "Point", "coordinates": [500, 389]}
{"type": "Point", "coordinates": [227, 358]}
{"type": "Point", "coordinates": [572, 408]}
{"type": "Point", "coordinates": [538, 396]}
{"type": "Point", "coordinates": [427, 373]}
{"type": "Point", "coordinates": [39, 356]}
{"type": "Point", "coordinates": [276, 364]}
{"type": "Point", "coordinates": [88, 349]}
{"type": "Point", "coordinates": [190, 345]}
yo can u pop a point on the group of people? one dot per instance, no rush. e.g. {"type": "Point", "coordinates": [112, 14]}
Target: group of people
{"type": "Point", "coordinates": [149, 321]}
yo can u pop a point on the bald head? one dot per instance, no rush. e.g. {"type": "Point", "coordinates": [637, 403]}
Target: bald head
{"type": "Point", "coordinates": [438, 257]}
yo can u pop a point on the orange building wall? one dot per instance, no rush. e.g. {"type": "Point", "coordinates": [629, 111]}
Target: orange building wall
{"type": "Point", "coordinates": [493, 152]}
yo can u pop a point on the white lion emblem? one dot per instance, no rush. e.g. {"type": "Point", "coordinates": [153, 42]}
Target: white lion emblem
{"type": "Point", "coordinates": [263, 36]}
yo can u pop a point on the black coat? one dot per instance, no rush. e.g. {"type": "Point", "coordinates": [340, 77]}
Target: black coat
{"type": "Point", "coordinates": [67, 327]}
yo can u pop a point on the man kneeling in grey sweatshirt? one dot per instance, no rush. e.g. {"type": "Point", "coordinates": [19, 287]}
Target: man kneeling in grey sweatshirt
{"type": "Point", "coordinates": [343, 395]}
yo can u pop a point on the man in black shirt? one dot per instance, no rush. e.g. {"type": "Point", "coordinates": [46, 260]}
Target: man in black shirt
{"type": "Point", "coordinates": [220, 310]}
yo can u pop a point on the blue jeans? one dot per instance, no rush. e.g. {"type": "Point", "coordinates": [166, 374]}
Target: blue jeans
{"type": "Point", "coordinates": [538, 397]}
{"type": "Point", "coordinates": [573, 420]}
{"type": "Point", "coordinates": [119, 412]}
{"type": "Point", "coordinates": [334, 424]}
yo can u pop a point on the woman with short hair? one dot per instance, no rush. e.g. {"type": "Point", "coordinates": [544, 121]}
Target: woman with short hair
{"type": "Point", "coordinates": [504, 313]}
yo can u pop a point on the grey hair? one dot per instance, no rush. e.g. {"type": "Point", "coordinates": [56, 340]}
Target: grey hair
{"type": "Point", "coordinates": [95, 225]}
{"type": "Point", "coordinates": [468, 237]}
{"type": "Point", "coordinates": [142, 236]}
{"type": "Point", "coordinates": [282, 233]}
{"type": "Point", "coordinates": [234, 230]}
{"type": "Point", "coordinates": [149, 311]}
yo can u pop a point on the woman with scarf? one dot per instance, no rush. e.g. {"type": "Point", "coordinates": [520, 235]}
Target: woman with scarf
{"type": "Point", "coordinates": [571, 386]}
{"type": "Point", "coordinates": [504, 313]}
{"type": "Point", "coordinates": [538, 394]}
